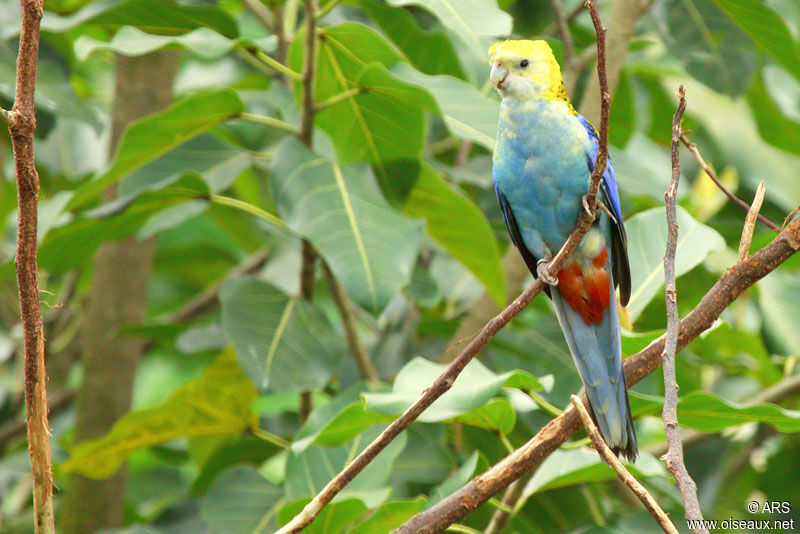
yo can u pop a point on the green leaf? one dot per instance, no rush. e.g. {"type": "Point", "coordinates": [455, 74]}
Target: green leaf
{"type": "Point", "coordinates": [467, 112]}
{"type": "Point", "coordinates": [711, 47]}
{"type": "Point", "coordinates": [580, 466]}
{"type": "Point", "coordinates": [284, 344]}
{"type": "Point", "coordinates": [335, 518]}
{"type": "Point", "coordinates": [147, 138]}
{"type": "Point", "coordinates": [774, 127]}
{"type": "Point", "coordinates": [497, 415]}
{"type": "Point", "coordinates": [471, 20]}
{"type": "Point", "coordinates": [390, 515]}
{"type": "Point", "coordinates": [457, 224]}
{"type": "Point", "coordinates": [778, 297]}
{"type": "Point", "coordinates": [475, 386]}
{"type": "Point", "coordinates": [622, 122]}
{"type": "Point", "coordinates": [242, 501]}
{"type": "Point", "coordinates": [429, 51]}
{"type": "Point", "coordinates": [152, 16]}
{"type": "Point", "coordinates": [370, 248]}
{"type": "Point", "coordinates": [54, 92]}
{"type": "Point", "coordinates": [457, 479]}
{"type": "Point", "coordinates": [216, 403]}
{"type": "Point", "coordinates": [647, 239]}
{"type": "Point", "coordinates": [203, 42]}
{"type": "Point", "coordinates": [367, 126]}
{"type": "Point", "coordinates": [309, 471]}
{"type": "Point", "coordinates": [767, 29]}
{"type": "Point", "coordinates": [706, 412]}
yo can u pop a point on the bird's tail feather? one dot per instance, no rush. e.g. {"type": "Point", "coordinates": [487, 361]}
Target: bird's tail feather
{"type": "Point", "coordinates": [596, 351]}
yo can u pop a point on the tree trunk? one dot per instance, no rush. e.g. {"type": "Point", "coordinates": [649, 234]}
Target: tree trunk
{"type": "Point", "coordinates": [117, 299]}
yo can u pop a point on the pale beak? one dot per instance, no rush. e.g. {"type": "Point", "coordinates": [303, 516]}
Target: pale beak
{"type": "Point", "coordinates": [498, 75]}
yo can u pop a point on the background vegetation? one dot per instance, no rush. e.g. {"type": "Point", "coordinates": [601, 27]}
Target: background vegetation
{"type": "Point", "coordinates": [199, 382]}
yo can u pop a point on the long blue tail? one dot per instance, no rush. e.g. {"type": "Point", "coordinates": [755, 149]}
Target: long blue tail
{"type": "Point", "coordinates": [597, 352]}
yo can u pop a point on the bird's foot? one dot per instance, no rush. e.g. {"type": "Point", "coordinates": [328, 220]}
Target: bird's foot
{"type": "Point", "coordinates": [586, 207]}
{"type": "Point", "coordinates": [544, 275]}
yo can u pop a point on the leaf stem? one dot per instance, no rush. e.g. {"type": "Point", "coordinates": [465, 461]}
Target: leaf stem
{"type": "Point", "coordinates": [269, 121]}
{"type": "Point", "coordinates": [277, 65]}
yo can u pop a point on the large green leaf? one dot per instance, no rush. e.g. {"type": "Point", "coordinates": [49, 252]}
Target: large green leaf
{"type": "Point", "coordinates": [152, 16]}
{"type": "Point", "coordinates": [335, 518]}
{"type": "Point", "coordinates": [218, 402]}
{"type": "Point", "coordinates": [778, 297]}
{"type": "Point", "coordinates": [283, 343]}
{"type": "Point", "coordinates": [581, 466]}
{"type": "Point", "coordinates": [390, 515]}
{"type": "Point", "coordinates": [457, 224]}
{"type": "Point", "coordinates": [309, 471]}
{"type": "Point", "coordinates": [471, 20]}
{"type": "Point", "coordinates": [647, 240]}
{"type": "Point", "coordinates": [467, 112]}
{"type": "Point", "coordinates": [712, 48]}
{"type": "Point", "coordinates": [775, 128]}
{"type": "Point", "coordinates": [767, 29]}
{"type": "Point", "coordinates": [339, 208]}
{"type": "Point", "coordinates": [148, 138]}
{"type": "Point", "coordinates": [475, 386]}
{"type": "Point", "coordinates": [429, 51]}
{"type": "Point", "coordinates": [203, 42]}
{"type": "Point", "coordinates": [377, 125]}
{"type": "Point", "coordinates": [706, 412]}
{"type": "Point", "coordinates": [242, 501]}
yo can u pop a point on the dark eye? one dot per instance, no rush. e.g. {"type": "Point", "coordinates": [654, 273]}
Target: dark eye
{"type": "Point", "coordinates": [524, 63]}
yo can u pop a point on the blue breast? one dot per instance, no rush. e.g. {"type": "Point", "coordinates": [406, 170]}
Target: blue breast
{"type": "Point", "coordinates": [540, 165]}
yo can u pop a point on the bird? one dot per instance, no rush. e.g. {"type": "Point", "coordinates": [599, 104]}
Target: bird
{"type": "Point", "coordinates": [543, 158]}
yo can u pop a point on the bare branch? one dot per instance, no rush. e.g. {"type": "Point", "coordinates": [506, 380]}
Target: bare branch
{"type": "Point", "coordinates": [563, 28]}
{"type": "Point", "coordinates": [750, 221]}
{"type": "Point", "coordinates": [674, 456]}
{"type": "Point", "coordinates": [611, 459]}
{"type": "Point", "coordinates": [745, 206]}
{"type": "Point", "coordinates": [365, 367]}
{"type": "Point", "coordinates": [21, 121]}
{"type": "Point", "coordinates": [727, 289]}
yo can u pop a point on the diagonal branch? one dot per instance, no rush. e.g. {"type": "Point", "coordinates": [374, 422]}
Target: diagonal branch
{"type": "Point", "coordinates": [611, 459]}
{"type": "Point", "coordinates": [674, 456]}
{"type": "Point", "coordinates": [744, 205]}
{"type": "Point", "coordinates": [445, 381]}
{"type": "Point", "coordinates": [21, 121]}
{"type": "Point", "coordinates": [727, 289]}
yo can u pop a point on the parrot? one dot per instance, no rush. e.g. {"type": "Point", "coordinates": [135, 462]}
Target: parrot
{"type": "Point", "coordinates": [543, 157]}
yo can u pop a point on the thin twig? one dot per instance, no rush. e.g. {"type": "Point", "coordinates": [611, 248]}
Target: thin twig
{"type": "Point", "coordinates": [445, 381]}
{"type": "Point", "coordinates": [744, 205]}
{"type": "Point", "coordinates": [727, 289]}
{"type": "Point", "coordinates": [674, 456]}
{"type": "Point", "coordinates": [269, 121]}
{"type": "Point", "coordinates": [512, 496]}
{"type": "Point", "coordinates": [563, 28]}
{"type": "Point", "coordinates": [750, 221]}
{"type": "Point", "coordinates": [611, 459]}
{"type": "Point", "coordinates": [21, 124]}
{"type": "Point", "coordinates": [262, 13]}
{"type": "Point", "coordinates": [365, 367]}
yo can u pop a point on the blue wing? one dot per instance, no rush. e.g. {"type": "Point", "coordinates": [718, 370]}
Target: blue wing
{"type": "Point", "coordinates": [621, 270]}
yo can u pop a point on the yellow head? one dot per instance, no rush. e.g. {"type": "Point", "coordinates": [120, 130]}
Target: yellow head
{"type": "Point", "coordinates": [527, 70]}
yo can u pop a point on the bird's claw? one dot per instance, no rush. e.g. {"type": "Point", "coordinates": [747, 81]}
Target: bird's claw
{"type": "Point", "coordinates": [546, 277]}
{"type": "Point", "coordinates": [586, 207]}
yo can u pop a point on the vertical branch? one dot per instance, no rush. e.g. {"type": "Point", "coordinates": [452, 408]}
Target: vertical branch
{"type": "Point", "coordinates": [674, 456]}
{"type": "Point", "coordinates": [611, 459]}
{"type": "Point", "coordinates": [21, 121]}
{"type": "Point", "coordinates": [306, 135]}
{"type": "Point", "coordinates": [365, 367]}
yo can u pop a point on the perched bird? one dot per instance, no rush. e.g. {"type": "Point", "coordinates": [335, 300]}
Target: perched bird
{"type": "Point", "coordinates": [543, 159]}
